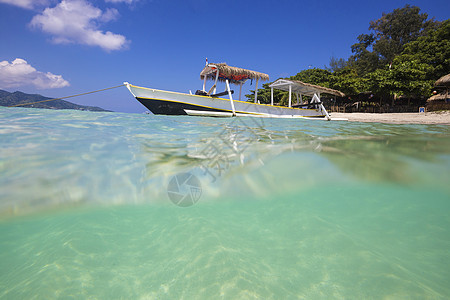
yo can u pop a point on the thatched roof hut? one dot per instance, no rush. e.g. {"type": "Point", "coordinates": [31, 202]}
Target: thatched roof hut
{"type": "Point", "coordinates": [442, 84]}
{"type": "Point", "coordinates": [440, 101]}
{"type": "Point", "coordinates": [444, 81]}
{"type": "Point", "coordinates": [233, 74]}
{"type": "Point", "coordinates": [442, 96]}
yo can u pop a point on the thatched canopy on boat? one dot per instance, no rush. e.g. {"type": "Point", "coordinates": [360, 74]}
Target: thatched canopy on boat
{"type": "Point", "coordinates": [443, 81]}
{"type": "Point", "coordinates": [304, 88]}
{"type": "Point", "coordinates": [233, 74]}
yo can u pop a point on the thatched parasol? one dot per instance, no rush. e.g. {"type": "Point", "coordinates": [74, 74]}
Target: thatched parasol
{"type": "Point", "coordinates": [233, 74]}
{"type": "Point", "coordinates": [443, 81]}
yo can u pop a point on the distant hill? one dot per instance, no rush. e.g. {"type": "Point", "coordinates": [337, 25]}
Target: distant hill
{"type": "Point", "coordinates": [10, 99]}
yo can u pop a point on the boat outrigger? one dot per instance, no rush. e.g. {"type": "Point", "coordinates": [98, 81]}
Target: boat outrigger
{"type": "Point", "coordinates": [208, 103]}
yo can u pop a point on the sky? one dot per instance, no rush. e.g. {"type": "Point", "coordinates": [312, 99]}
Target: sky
{"type": "Point", "coordinates": [59, 48]}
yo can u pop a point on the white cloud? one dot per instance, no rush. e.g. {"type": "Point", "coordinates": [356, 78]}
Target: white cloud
{"type": "Point", "coordinates": [20, 73]}
{"type": "Point", "coordinates": [28, 4]}
{"type": "Point", "coordinates": [77, 21]}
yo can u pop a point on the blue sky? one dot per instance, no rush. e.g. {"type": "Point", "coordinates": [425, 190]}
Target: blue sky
{"type": "Point", "coordinates": [62, 47]}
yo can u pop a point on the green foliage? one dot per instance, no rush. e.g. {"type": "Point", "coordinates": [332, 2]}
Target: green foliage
{"type": "Point", "coordinates": [407, 78]}
{"type": "Point", "coordinates": [347, 81]}
{"type": "Point", "coordinates": [410, 78]}
{"type": "Point", "coordinates": [432, 49]}
{"type": "Point", "coordinates": [391, 33]}
{"type": "Point", "coordinates": [363, 60]}
{"type": "Point", "coordinates": [337, 64]}
{"type": "Point", "coordinates": [394, 30]}
{"type": "Point", "coordinates": [314, 76]}
{"type": "Point", "coordinates": [380, 82]}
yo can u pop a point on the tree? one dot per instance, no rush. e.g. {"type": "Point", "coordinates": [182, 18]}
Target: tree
{"type": "Point", "coordinates": [432, 49]}
{"type": "Point", "coordinates": [410, 78]}
{"type": "Point", "coordinates": [364, 61]}
{"type": "Point", "coordinates": [381, 83]}
{"type": "Point", "coordinates": [348, 81]}
{"type": "Point", "coordinates": [337, 64]}
{"type": "Point", "coordinates": [394, 30]}
{"type": "Point", "coordinates": [421, 63]}
{"type": "Point", "coordinates": [391, 33]}
{"type": "Point", "coordinates": [314, 76]}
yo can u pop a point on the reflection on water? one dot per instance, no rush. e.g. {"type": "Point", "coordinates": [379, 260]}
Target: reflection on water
{"type": "Point", "coordinates": [387, 158]}
{"type": "Point", "coordinates": [298, 208]}
{"type": "Point", "coordinates": [397, 154]}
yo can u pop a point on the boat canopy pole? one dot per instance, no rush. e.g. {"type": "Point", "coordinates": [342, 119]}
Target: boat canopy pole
{"type": "Point", "coordinates": [326, 113]}
{"type": "Point", "coordinates": [316, 99]}
{"type": "Point", "coordinates": [271, 96]}
{"type": "Point", "coordinates": [290, 95]}
{"type": "Point", "coordinates": [231, 98]}
{"type": "Point", "coordinates": [213, 88]}
{"type": "Point", "coordinates": [240, 91]}
{"type": "Point", "coordinates": [215, 82]}
{"type": "Point", "coordinates": [256, 90]}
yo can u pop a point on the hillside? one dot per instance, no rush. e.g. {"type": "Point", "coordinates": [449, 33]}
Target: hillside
{"type": "Point", "coordinates": [10, 99]}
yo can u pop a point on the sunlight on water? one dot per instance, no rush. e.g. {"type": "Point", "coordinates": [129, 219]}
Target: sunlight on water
{"type": "Point", "coordinates": [283, 208]}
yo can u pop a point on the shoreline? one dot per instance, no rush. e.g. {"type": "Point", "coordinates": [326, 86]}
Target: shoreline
{"type": "Point", "coordinates": [437, 118]}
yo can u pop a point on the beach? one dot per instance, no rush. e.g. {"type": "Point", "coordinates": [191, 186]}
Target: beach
{"type": "Point", "coordinates": [397, 118]}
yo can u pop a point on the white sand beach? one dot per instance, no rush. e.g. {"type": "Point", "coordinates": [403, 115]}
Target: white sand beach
{"type": "Point", "coordinates": [398, 118]}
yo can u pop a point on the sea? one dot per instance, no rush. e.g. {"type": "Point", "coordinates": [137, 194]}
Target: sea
{"type": "Point", "coordinates": [103, 205]}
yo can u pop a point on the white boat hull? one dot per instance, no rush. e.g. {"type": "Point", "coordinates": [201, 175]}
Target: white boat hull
{"type": "Point", "coordinates": [172, 103]}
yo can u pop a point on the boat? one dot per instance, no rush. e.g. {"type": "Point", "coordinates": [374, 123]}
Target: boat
{"type": "Point", "coordinates": [209, 103]}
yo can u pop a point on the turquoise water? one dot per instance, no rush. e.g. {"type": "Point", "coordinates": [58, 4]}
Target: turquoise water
{"type": "Point", "coordinates": [282, 209]}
